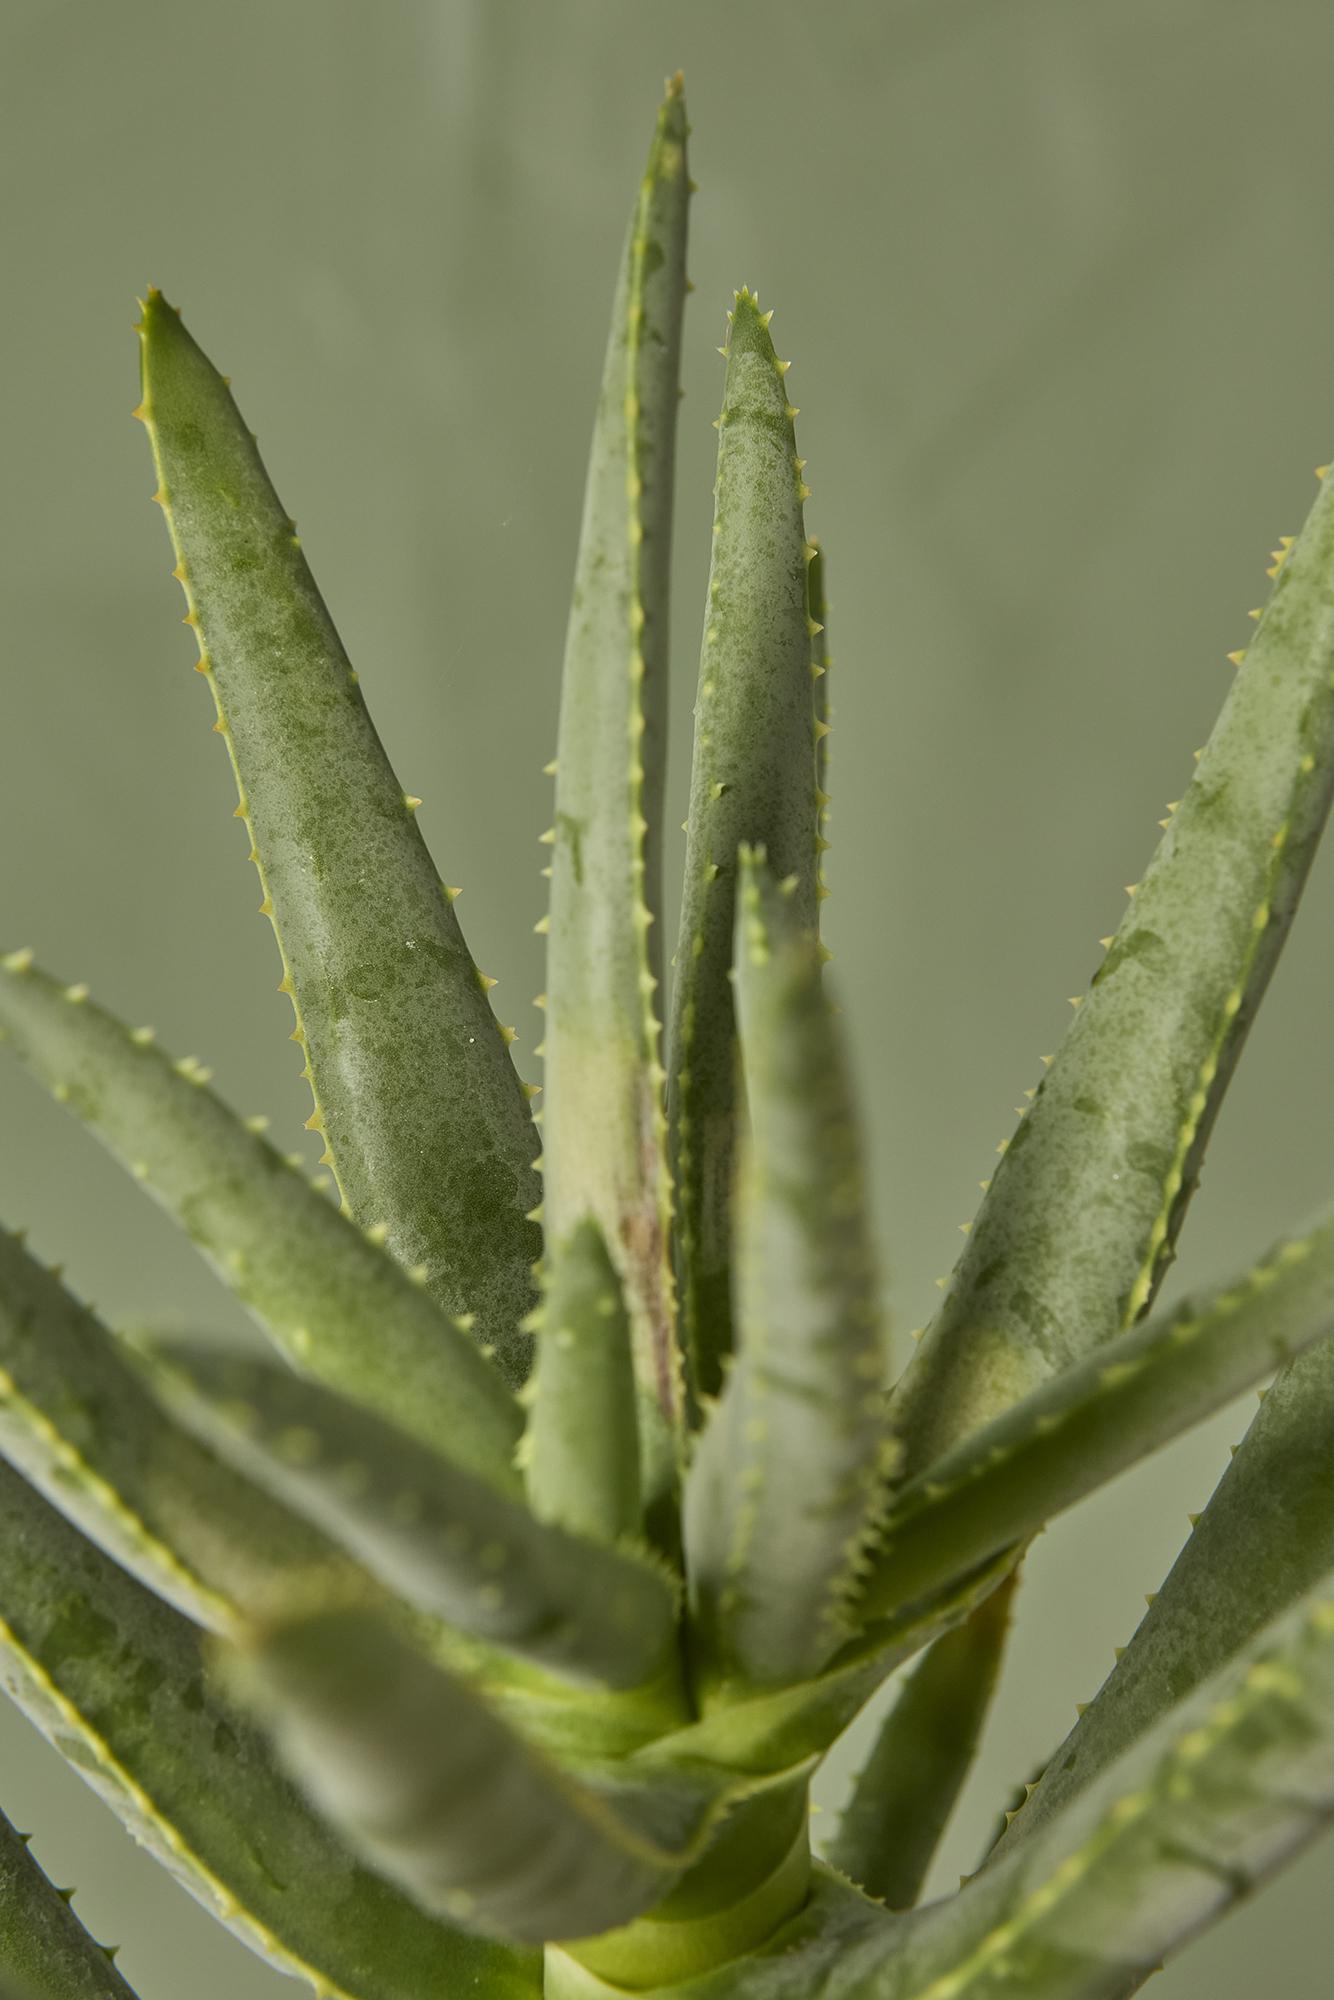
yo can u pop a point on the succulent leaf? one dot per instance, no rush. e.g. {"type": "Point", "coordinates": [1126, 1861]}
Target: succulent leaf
{"type": "Point", "coordinates": [77, 1421]}
{"type": "Point", "coordinates": [1265, 1540]}
{"type": "Point", "coordinates": [581, 1450]}
{"type": "Point", "coordinates": [1069, 1437]}
{"type": "Point", "coordinates": [113, 1677]}
{"type": "Point", "coordinates": [425, 1122]}
{"type": "Point", "coordinates": [753, 780]}
{"type": "Point", "coordinates": [603, 1121]}
{"type": "Point", "coordinates": [45, 1952]}
{"type": "Point", "coordinates": [907, 1789]}
{"type": "Point", "coordinates": [447, 1541]}
{"type": "Point", "coordinates": [335, 1301]}
{"type": "Point", "coordinates": [790, 1470]}
{"type": "Point", "coordinates": [1081, 1218]}
{"type": "Point", "coordinates": [425, 1780]}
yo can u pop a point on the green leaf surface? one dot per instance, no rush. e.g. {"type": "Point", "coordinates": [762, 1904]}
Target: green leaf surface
{"type": "Point", "coordinates": [906, 1791]}
{"type": "Point", "coordinates": [603, 1124]}
{"type": "Point", "coordinates": [1081, 1218]}
{"type": "Point", "coordinates": [767, 1731]}
{"type": "Point", "coordinates": [445, 1540]}
{"type": "Point", "coordinates": [1227, 1786]}
{"type": "Point", "coordinates": [790, 1471]}
{"type": "Point", "coordinates": [1104, 1414]}
{"type": "Point", "coordinates": [333, 1299]}
{"type": "Point", "coordinates": [753, 780]}
{"type": "Point", "coordinates": [580, 1452]}
{"type": "Point", "coordinates": [77, 1421]}
{"type": "Point", "coordinates": [114, 1678]}
{"type": "Point", "coordinates": [1265, 1539]}
{"type": "Point", "coordinates": [425, 1780]}
{"type": "Point", "coordinates": [426, 1124]}
{"type": "Point", "coordinates": [45, 1952]}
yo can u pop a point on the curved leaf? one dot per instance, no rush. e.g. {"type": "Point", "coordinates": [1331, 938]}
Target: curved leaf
{"type": "Point", "coordinates": [77, 1421]}
{"type": "Point", "coordinates": [1069, 1437]}
{"type": "Point", "coordinates": [448, 1542]}
{"type": "Point", "coordinates": [441, 1795]}
{"type": "Point", "coordinates": [113, 1677]}
{"type": "Point", "coordinates": [335, 1301]}
{"type": "Point", "coordinates": [1265, 1539]}
{"type": "Point", "coordinates": [426, 1125]}
{"type": "Point", "coordinates": [1082, 1215]}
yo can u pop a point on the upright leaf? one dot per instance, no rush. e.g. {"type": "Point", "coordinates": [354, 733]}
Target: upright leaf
{"type": "Point", "coordinates": [789, 1473]}
{"type": "Point", "coordinates": [581, 1449]}
{"type": "Point", "coordinates": [445, 1540]}
{"type": "Point", "coordinates": [603, 1130]}
{"type": "Point", "coordinates": [438, 1793]}
{"type": "Point", "coordinates": [333, 1299]}
{"type": "Point", "coordinates": [45, 1952]}
{"type": "Point", "coordinates": [1082, 1215]}
{"type": "Point", "coordinates": [113, 1677]}
{"type": "Point", "coordinates": [753, 780]}
{"type": "Point", "coordinates": [1264, 1541]}
{"type": "Point", "coordinates": [425, 1123]}
{"type": "Point", "coordinates": [906, 1791]}
{"type": "Point", "coordinates": [78, 1422]}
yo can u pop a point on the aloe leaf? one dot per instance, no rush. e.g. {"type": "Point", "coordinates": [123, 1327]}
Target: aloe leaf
{"type": "Point", "coordinates": [1265, 1540]}
{"type": "Point", "coordinates": [335, 1301]}
{"type": "Point", "coordinates": [1223, 1790]}
{"type": "Point", "coordinates": [753, 780]}
{"type": "Point", "coordinates": [580, 1452]}
{"type": "Point", "coordinates": [45, 1952]}
{"type": "Point", "coordinates": [603, 1125]}
{"type": "Point", "coordinates": [425, 1780]}
{"type": "Point", "coordinates": [908, 1788]}
{"type": "Point", "coordinates": [76, 1420]}
{"type": "Point", "coordinates": [426, 1125]}
{"type": "Point", "coordinates": [1072, 1435]}
{"type": "Point", "coordinates": [790, 1471]}
{"type": "Point", "coordinates": [447, 1541]}
{"type": "Point", "coordinates": [113, 1677]}
{"type": "Point", "coordinates": [1082, 1215]}
{"type": "Point", "coordinates": [762, 1731]}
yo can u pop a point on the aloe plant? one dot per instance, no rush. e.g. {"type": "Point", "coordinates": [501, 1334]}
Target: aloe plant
{"type": "Point", "coordinates": [486, 1638]}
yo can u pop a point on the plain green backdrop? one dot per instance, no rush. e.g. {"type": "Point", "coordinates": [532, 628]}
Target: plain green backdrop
{"type": "Point", "coordinates": [1057, 280]}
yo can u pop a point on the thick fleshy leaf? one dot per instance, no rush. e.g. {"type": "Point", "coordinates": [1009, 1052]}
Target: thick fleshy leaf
{"type": "Point", "coordinates": [580, 1453]}
{"type": "Point", "coordinates": [114, 1678]}
{"type": "Point", "coordinates": [1071, 1436]}
{"type": "Point", "coordinates": [1264, 1541]}
{"type": "Point", "coordinates": [1081, 1218]}
{"type": "Point", "coordinates": [753, 780]}
{"type": "Point", "coordinates": [790, 1471]}
{"type": "Point", "coordinates": [1227, 1787]}
{"type": "Point", "coordinates": [45, 1952]}
{"type": "Point", "coordinates": [426, 1124]}
{"type": "Point", "coordinates": [333, 1299]}
{"type": "Point", "coordinates": [425, 1780]}
{"type": "Point", "coordinates": [76, 1419]}
{"type": "Point", "coordinates": [765, 1731]}
{"type": "Point", "coordinates": [908, 1788]}
{"type": "Point", "coordinates": [445, 1540]}
{"type": "Point", "coordinates": [603, 1122]}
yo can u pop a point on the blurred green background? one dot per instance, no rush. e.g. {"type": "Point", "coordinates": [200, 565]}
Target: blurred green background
{"type": "Point", "coordinates": [1057, 280]}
